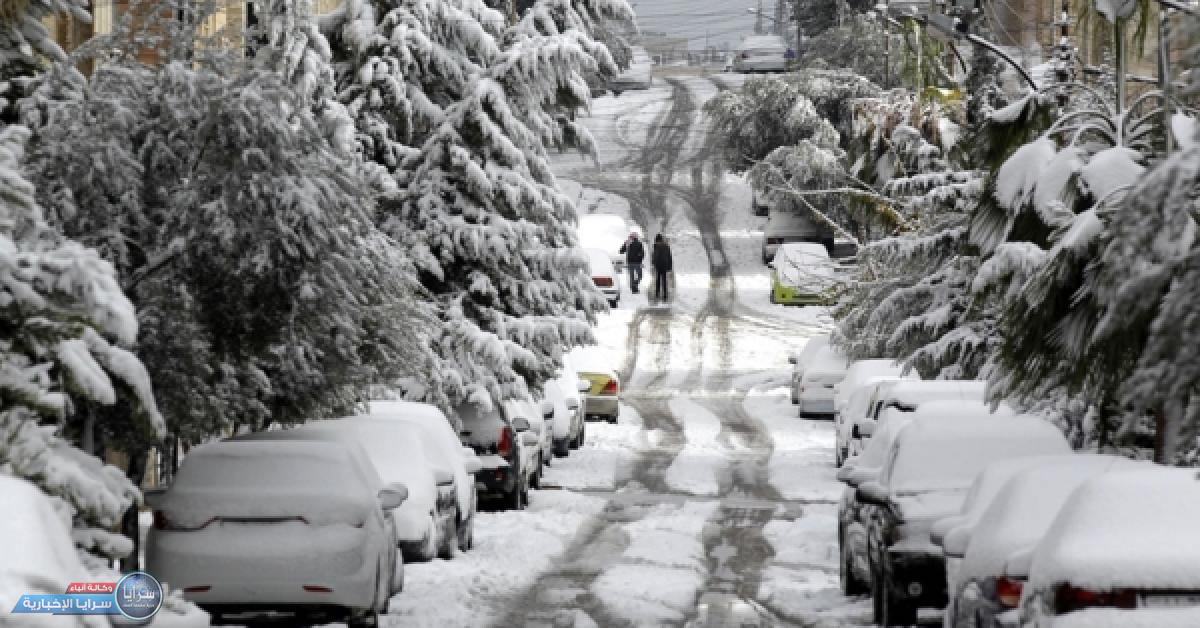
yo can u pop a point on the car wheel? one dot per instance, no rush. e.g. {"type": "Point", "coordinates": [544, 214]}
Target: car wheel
{"type": "Point", "coordinates": [524, 496]}
{"type": "Point", "coordinates": [613, 419]}
{"type": "Point", "coordinates": [564, 450]}
{"type": "Point", "coordinates": [466, 534]}
{"type": "Point", "coordinates": [450, 541]}
{"type": "Point", "coordinates": [838, 456]}
{"type": "Point", "coordinates": [429, 550]}
{"type": "Point", "coordinates": [850, 584]}
{"type": "Point", "coordinates": [363, 619]}
{"type": "Point", "coordinates": [582, 434]}
{"type": "Point", "coordinates": [890, 611]}
{"type": "Point", "coordinates": [535, 480]}
{"type": "Point", "coordinates": [515, 500]}
{"type": "Point", "coordinates": [613, 302]}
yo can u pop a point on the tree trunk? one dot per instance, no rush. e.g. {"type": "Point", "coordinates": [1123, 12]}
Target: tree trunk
{"type": "Point", "coordinates": [129, 523]}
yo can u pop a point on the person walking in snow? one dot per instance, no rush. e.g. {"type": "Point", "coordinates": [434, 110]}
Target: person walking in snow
{"type": "Point", "coordinates": [634, 254]}
{"type": "Point", "coordinates": [661, 259]}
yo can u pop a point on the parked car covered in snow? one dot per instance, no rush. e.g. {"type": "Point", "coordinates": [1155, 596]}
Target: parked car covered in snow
{"type": "Point", "coordinates": [848, 415]}
{"type": "Point", "coordinates": [283, 527]}
{"type": "Point", "coordinates": [505, 447]}
{"type": "Point", "coordinates": [803, 274]}
{"type": "Point", "coordinates": [39, 557]}
{"type": "Point", "coordinates": [444, 450]}
{"type": "Point", "coordinates": [604, 275]}
{"type": "Point", "coordinates": [606, 232]}
{"type": "Point", "coordinates": [601, 401]}
{"type": "Point", "coordinates": [788, 226]}
{"type": "Point", "coordinates": [1120, 552]}
{"type": "Point", "coordinates": [860, 372]}
{"type": "Point", "coordinates": [993, 548]}
{"type": "Point", "coordinates": [761, 53]}
{"type": "Point", "coordinates": [539, 435]}
{"type": "Point", "coordinates": [907, 396]}
{"type": "Point", "coordinates": [568, 417]}
{"type": "Point", "coordinates": [931, 464]}
{"type": "Point", "coordinates": [816, 370]}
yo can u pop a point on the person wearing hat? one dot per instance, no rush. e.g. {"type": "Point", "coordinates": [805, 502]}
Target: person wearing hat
{"type": "Point", "coordinates": [634, 253]}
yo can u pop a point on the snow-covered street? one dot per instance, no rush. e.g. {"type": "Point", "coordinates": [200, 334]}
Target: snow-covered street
{"type": "Point", "coordinates": [710, 503]}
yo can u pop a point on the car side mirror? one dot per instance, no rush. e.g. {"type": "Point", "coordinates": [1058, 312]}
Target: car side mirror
{"type": "Point", "coordinates": [1018, 563]}
{"type": "Point", "coordinates": [153, 497]}
{"type": "Point", "coordinates": [521, 424]}
{"type": "Point", "coordinates": [472, 463]}
{"type": "Point", "coordinates": [442, 477]}
{"type": "Point", "coordinates": [547, 410]}
{"type": "Point", "coordinates": [391, 496]}
{"type": "Point", "coordinates": [955, 542]}
{"type": "Point", "coordinates": [872, 493]}
{"type": "Point", "coordinates": [583, 386]}
{"type": "Point", "coordinates": [792, 360]}
{"type": "Point", "coordinates": [529, 439]}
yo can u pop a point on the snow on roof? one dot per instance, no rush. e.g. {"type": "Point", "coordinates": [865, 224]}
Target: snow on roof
{"type": "Point", "coordinates": [405, 408]}
{"type": "Point", "coordinates": [397, 450]}
{"type": "Point", "coordinates": [946, 452]}
{"type": "Point", "coordinates": [39, 547]}
{"type": "Point", "coordinates": [810, 347]}
{"type": "Point", "coordinates": [592, 360]}
{"type": "Point", "coordinates": [1131, 529]}
{"type": "Point", "coordinates": [954, 409]}
{"type": "Point", "coordinates": [1183, 617]}
{"type": "Point", "coordinates": [800, 250]}
{"type": "Point", "coordinates": [859, 372]}
{"type": "Point", "coordinates": [600, 262]}
{"type": "Point", "coordinates": [916, 392]}
{"type": "Point", "coordinates": [1024, 507]}
{"type": "Point", "coordinates": [826, 360]}
{"type": "Point", "coordinates": [760, 42]}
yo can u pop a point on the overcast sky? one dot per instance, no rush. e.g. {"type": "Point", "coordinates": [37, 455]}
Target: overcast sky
{"type": "Point", "coordinates": [725, 20]}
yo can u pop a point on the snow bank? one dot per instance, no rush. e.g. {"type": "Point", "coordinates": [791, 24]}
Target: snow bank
{"type": "Point", "coordinates": [1142, 618]}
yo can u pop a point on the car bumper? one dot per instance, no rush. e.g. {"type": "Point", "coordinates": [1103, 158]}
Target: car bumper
{"type": "Point", "coordinates": [600, 407]}
{"type": "Point", "coordinates": [267, 565]}
{"type": "Point", "coordinates": [815, 406]}
{"type": "Point", "coordinates": [792, 296]}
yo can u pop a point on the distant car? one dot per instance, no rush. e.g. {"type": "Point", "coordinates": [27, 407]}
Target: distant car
{"type": "Point", "coordinates": [1120, 552]}
{"type": "Point", "coordinates": [40, 557]}
{"type": "Point", "coordinates": [572, 431]}
{"type": "Point", "coordinates": [860, 372]}
{"type": "Point", "coordinates": [820, 372]}
{"type": "Point", "coordinates": [932, 462]}
{"type": "Point", "coordinates": [504, 448]}
{"type": "Point", "coordinates": [803, 274]}
{"type": "Point", "coordinates": [786, 226]}
{"type": "Point", "coordinates": [761, 53]}
{"type": "Point", "coordinates": [541, 449]}
{"type": "Point", "coordinates": [444, 449]}
{"type": "Point", "coordinates": [986, 585]}
{"type": "Point", "coordinates": [759, 205]}
{"type": "Point", "coordinates": [253, 527]}
{"type": "Point", "coordinates": [850, 413]}
{"type": "Point", "coordinates": [605, 232]}
{"type": "Point", "coordinates": [639, 75]}
{"type": "Point", "coordinates": [605, 276]}
{"type": "Point", "coordinates": [602, 399]}
{"type": "Point", "coordinates": [801, 359]}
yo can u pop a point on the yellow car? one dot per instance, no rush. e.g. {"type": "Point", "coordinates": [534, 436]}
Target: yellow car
{"type": "Point", "coordinates": [803, 274]}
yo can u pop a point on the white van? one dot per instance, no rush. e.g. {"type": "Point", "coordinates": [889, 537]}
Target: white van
{"type": "Point", "coordinates": [786, 226]}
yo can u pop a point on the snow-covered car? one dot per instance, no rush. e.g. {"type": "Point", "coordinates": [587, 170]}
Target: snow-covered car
{"type": "Point", "coordinates": [803, 274]}
{"type": "Point", "coordinates": [425, 522]}
{"type": "Point", "coordinates": [539, 436]}
{"type": "Point", "coordinates": [606, 232]}
{"type": "Point", "coordinates": [444, 450]}
{"type": "Point", "coordinates": [302, 527]}
{"type": "Point", "coordinates": [761, 53]}
{"type": "Point", "coordinates": [39, 557]}
{"type": "Point", "coordinates": [985, 584]}
{"type": "Point", "coordinates": [814, 376]}
{"type": "Point", "coordinates": [908, 395]}
{"type": "Point", "coordinates": [639, 75]}
{"type": "Point", "coordinates": [801, 359]}
{"type": "Point", "coordinates": [931, 464]}
{"type": "Point", "coordinates": [1120, 553]}
{"type": "Point", "coordinates": [850, 413]}
{"type": "Point", "coordinates": [502, 450]}
{"type": "Point", "coordinates": [860, 372]}
{"type": "Point", "coordinates": [605, 275]}
{"type": "Point", "coordinates": [602, 399]}
{"type": "Point", "coordinates": [786, 226]}
{"type": "Point", "coordinates": [569, 430]}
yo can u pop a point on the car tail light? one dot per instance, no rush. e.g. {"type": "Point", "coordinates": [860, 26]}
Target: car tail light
{"type": "Point", "coordinates": [504, 447]}
{"type": "Point", "coordinates": [603, 282]}
{"type": "Point", "coordinates": [204, 588]}
{"type": "Point", "coordinates": [610, 388]}
{"type": "Point", "coordinates": [1008, 592]}
{"type": "Point", "coordinates": [1069, 598]}
{"type": "Point", "coordinates": [317, 588]}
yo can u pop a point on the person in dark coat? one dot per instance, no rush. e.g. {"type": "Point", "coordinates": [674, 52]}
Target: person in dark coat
{"type": "Point", "coordinates": [635, 254]}
{"type": "Point", "coordinates": [661, 259]}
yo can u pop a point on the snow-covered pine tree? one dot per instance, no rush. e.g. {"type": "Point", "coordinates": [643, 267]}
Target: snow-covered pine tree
{"type": "Point", "coordinates": [491, 236]}
{"type": "Point", "coordinates": [65, 316]}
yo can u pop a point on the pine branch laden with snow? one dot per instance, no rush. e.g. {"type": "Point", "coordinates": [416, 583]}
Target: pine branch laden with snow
{"type": "Point", "coordinates": [602, 21]}
{"type": "Point", "coordinates": [64, 312]}
{"type": "Point", "coordinates": [492, 239]}
{"type": "Point", "coordinates": [24, 39]}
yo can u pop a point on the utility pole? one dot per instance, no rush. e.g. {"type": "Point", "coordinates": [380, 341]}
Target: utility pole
{"type": "Point", "coordinates": [758, 26]}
